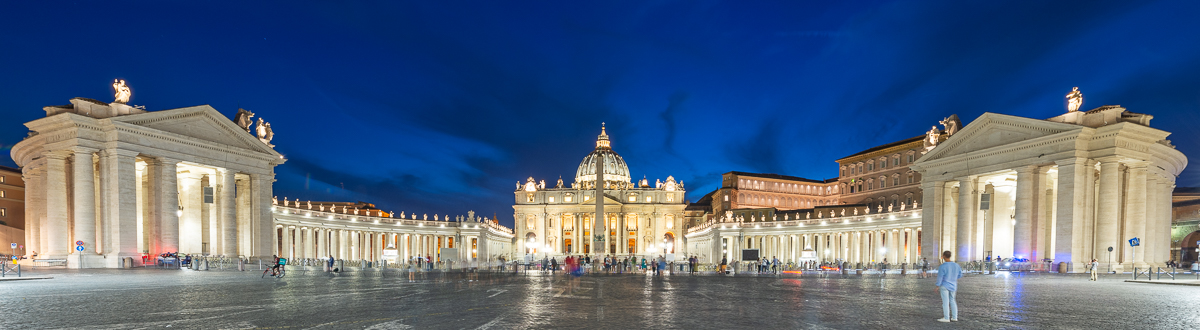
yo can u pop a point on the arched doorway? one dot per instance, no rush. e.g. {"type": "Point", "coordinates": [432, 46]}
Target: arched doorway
{"type": "Point", "coordinates": [669, 243]}
{"type": "Point", "coordinates": [1187, 249]}
{"type": "Point", "coordinates": [530, 243]}
{"type": "Point", "coordinates": [567, 245]}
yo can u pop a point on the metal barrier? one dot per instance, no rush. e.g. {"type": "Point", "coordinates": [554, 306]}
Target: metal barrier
{"type": "Point", "coordinates": [1170, 274]}
{"type": "Point", "coordinates": [1145, 271]}
{"type": "Point", "coordinates": [48, 262]}
{"type": "Point", "coordinates": [6, 269]}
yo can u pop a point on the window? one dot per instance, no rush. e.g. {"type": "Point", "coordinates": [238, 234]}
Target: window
{"type": "Point", "coordinates": [726, 198]}
{"type": "Point", "coordinates": [2, 194]}
{"type": "Point", "coordinates": [649, 199]}
{"type": "Point", "coordinates": [895, 181]}
{"type": "Point", "coordinates": [567, 198]}
{"type": "Point", "coordinates": [871, 166]}
{"type": "Point", "coordinates": [1, 179]}
{"type": "Point", "coordinates": [552, 199]}
{"type": "Point", "coordinates": [911, 158]}
{"type": "Point", "coordinates": [896, 161]}
{"type": "Point", "coordinates": [632, 198]}
{"type": "Point", "coordinates": [587, 198]}
{"type": "Point", "coordinates": [3, 212]}
{"type": "Point", "coordinates": [670, 198]}
{"type": "Point", "coordinates": [530, 221]}
{"type": "Point", "coordinates": [910, 178]}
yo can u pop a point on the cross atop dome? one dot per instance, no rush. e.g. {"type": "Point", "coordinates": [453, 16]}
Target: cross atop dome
{"type": "Point", "coordinates": [602, 141]}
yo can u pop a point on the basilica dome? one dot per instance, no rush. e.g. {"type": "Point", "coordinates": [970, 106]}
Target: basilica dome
{"type": "Point", "coordinates": [615, 169]}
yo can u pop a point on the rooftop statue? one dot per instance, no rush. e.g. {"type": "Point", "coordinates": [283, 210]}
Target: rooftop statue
{"type": "Point", "coordinates": [951, 124]}
{"type": "Point", "coordinates": [243, 119]}
{"type": "Point", "coordinates": [931, 138]}
{"type": "Point", "coordinates": [1074, 100]}
{"type": "Point", "coordinates": [122, 91]}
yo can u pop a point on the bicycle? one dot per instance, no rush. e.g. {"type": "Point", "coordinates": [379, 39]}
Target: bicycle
{"type": "Point", "coordinates": [278, 271]}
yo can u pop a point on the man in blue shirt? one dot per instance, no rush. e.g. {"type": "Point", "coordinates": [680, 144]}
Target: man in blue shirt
{"type": "Point", "coordinates": [947, 283]}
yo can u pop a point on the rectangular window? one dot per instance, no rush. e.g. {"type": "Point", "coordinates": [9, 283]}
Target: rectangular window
{"type": "Point", "coordinates": [567, 199]}
{"type": "Point", "coordinates": [895, 181]}
{"type": "Point", "coordinates": [896, 161]}
{"type": "Point", "coordinates": [649, 199]}
{"type": "Point", "coordinates": [587, 198]}
{"type": "Point", "coordinates": [552, 199]}
{"type": "Point", "coordinates": [3, 212]}
{"type": "Point", "coordinates": [1, 179]}
{"type": "Point", "coordinates": [910, 159]}
{"type": "Point", "coordinates": [633, 198]}
{"type": "Point", "coordinates": [2, 194]}
{"type": "Point", "coordinates": [670, 197]}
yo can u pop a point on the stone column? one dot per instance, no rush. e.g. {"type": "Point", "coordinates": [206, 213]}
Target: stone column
{"type": "Point", "coordinates": [58, 241]}
{"type": "Point", "coordinates": [35, 206]}
{"type": "Point", "coordinates": [1108, 207]}
{"type": "Point", "coordinates": [1135, 213]}
{"type": "Point", "coordinates": [1072, 176]}
{"type": "Point", "coordinates": [164, 204]}
{"type": "Point", "coordinates": [1166, 186]}
{"type": "Point", "coordinates": [227, 192]}
{"type": "Point", "coordinates": [913, 243]}
{"type": "Point", "coordinates": [190, 225]}
{"type": "Point", "coordinates": [120, 206]}
{"type": "Point", "coordinates": [931, 215]}
{"type": "Point", "coordinates": [965, 237]}
{"type": "Point", "coordinates": [337, 244]}
{"type": "Point", "coordinates": [261, 219]}
{"type": "Point", "coordinates": [1151, 222]}
{"type": "Point", "coordinates": [1024, 211]}
{"type": "Point", "coordinates": [84, 210]}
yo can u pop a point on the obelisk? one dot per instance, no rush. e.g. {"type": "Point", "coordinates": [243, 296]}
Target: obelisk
{"type": "Point", "coordinates": [597, 222]}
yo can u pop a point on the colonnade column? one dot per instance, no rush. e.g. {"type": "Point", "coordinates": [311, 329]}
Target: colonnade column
{"type": "Point", "coordinates": [120, 205]}
{"type": "Point", "coordinates": [58, 244]}
{"type": "Point", "coordinates": [164, 199]}
{"type": "Point", "coordinates": [83, 173]}
{"type": "Point", "coordinates": [1108, 206]}
{"type": "Point", "coordinates": [1135, 213]}
{"type": "Point", "coordinates": [1068, 232]}
{"type": "Point", "coordinates": [1151, 222]}
{"type": "Point", "coordinates": [228, 212]}
{"type": "Point", "coordinates": [191, 226]}
{"type": "Point", "coordinates": [931, 218]}
{"type": "Point", "coordinates": [966, 218]}
{"type": "Point", "coordinates": [35, 203]}
{"type": "Point", "coordinates": [1024, 212]}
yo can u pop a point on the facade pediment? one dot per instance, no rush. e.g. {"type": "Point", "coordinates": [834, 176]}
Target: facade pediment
{"type": "Point", "coordinates": [199, 122]}
{"type": "Point", "coordinates": [995, 130]}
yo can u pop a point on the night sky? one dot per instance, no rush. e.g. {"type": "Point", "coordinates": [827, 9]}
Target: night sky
{"type": "Point", "coordinates": [441, 107]}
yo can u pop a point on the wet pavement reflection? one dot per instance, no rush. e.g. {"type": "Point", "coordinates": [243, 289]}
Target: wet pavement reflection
{"type": "Point", "coordinates": [114, 299]}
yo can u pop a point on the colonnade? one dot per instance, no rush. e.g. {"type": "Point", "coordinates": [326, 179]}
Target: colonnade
{"type": "Point", "coordinates": [304, 242]}
{"type": "Point", "coordinates": [1071, 211]}
{"type": "Point", "coordinates": [895, 245]}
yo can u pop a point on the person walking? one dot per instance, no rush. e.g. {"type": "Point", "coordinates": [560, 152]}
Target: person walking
{"type": "Point", "coordinates": [724, 263]}
{"type": "Point", "coordinates": [947, 285]}
{"type": "Point", "coordinates": [329, 264]}
{"type": "Point", "coordinates": [553, 265]}
{"type": "Point", "coordinates": [1094, 265]}
{"type": "Point", "coordinates": [924, 267]}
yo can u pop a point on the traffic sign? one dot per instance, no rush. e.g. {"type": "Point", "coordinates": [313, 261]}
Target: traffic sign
{"type": "Point", "coordinates": [13, 245]}
{"type": "Point", "coordinates": [1134, 242]}
{"type": "Point", "coordinates": [79, 248]}
{"type": "Point", "coordinates": [78, 242]}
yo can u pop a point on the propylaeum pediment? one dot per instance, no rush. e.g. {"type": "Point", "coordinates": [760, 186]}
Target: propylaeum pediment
{"type": "Point", "coordinates": [198, 122]}
{"type": "Point", "coordinates": [993, 130]}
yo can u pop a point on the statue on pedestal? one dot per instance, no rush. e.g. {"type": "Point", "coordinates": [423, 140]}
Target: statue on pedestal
{"type": "Point", "coordinates": [122, 92]}
{"type": "Point", "coordinates": [243, 119]}
{"type": "Point", "coordinates": [1074, 100]}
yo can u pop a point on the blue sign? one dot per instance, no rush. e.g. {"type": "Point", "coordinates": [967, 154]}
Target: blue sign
{"type": "Point", "coordinates": [14, 245]}
{"type": "Point", "coordinates": [1134, 242]}
{"type": "Point", "coordinates": [79, 248]}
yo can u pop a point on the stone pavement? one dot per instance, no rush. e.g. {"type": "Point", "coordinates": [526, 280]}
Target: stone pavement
{"type": "Point", "coordinates": [148, 298]}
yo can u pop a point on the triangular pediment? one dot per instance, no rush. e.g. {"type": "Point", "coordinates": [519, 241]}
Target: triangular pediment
{"type": "Point", "coordinates": [994, 130]}
{"type": "Point", "coordinates": [198, 122]}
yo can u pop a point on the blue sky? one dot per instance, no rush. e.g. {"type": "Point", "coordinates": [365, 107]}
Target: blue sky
{"type": "Point", "coordinates": [440, 107]}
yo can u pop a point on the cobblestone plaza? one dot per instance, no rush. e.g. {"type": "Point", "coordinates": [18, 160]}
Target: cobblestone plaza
{"type": "Point", "coordinates": [139, 299]}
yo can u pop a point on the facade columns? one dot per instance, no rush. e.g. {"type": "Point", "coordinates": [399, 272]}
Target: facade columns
{"type": "Point", "coordinates": [1072, 177]}
{"type": "Point", "coordinates": [191, 227]}
{"type": "Point", "coordinates": [58, 244]}
{"type": "Point", "coordinates": [1108, 207]}
{"type": "Point", "coordinates": [35, 203]}
{"type": "Point", "coordinates": [931, 218]}
{"type": "Point", "coordinates": [965, 238]}
{"type": "Point", "coordinates": [227, 190]}
{"type": "Point", "coordinates": [262, 220]}
{"type": "Point", "coordinates": [120, 183]}
{"type": "Point", "coordinates": [84, 210]}
{"type": "Point", "coordinates": [1135, 213]}
{"type": "Point", "coordinates": [1024, 212]}
{"type": "Point", "coordinates": [164, 204]}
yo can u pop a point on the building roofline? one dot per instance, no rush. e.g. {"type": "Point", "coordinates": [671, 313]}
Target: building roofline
{"type": "Point", "coordinates": [782, 177]}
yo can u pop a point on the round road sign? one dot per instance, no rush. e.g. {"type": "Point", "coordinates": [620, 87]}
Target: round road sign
{"type": "Point", "coordinates": [78, 242]}
{"type": "Point", "coordinates": [79, 248]}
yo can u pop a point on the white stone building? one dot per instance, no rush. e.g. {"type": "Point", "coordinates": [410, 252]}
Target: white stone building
{"type": "Point", "coordinates": [126, 182]}
{"type": "Point", "coordinates": [640, 219]}
{"type": "Point", "coordinates": [1064, 189]}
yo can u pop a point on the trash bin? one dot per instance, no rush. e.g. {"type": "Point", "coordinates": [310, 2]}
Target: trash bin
{"type": "Point", "coordinates": [127, 262]}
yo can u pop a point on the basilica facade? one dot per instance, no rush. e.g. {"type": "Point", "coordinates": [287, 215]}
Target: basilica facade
{"type": "Point", "coordinates": [639, 218]}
